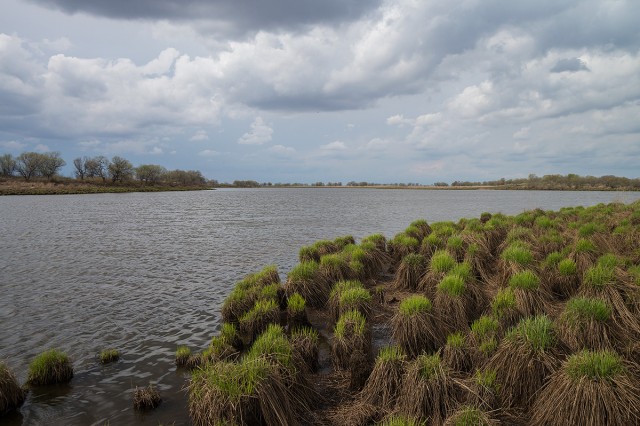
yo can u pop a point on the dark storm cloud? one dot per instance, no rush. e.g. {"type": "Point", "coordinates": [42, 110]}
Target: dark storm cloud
{"type": "Point", "coordinates": [570, 65]}
{"type": "Point", "coordinates": [232, 17]}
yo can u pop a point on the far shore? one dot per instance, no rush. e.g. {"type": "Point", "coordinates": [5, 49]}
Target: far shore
{"type": "Point", "coordinates": [63, 187]}
{"type": "Point", "coordinates": [15, 186]}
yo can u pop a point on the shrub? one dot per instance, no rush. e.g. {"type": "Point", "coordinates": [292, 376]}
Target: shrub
{"type": "Point", "coordinates": [50, 367]}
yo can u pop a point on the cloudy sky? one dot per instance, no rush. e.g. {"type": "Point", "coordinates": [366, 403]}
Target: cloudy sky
{"type": "Point", "coordinates": [333, 90]}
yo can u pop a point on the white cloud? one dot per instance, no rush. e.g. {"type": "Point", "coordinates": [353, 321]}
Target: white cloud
{"type": "Point", "coordinates": [282, 150]}
{"type": "Point", "coordinates": [398, 120]}
{"type": "Point", "coordinates": [334, 146]}
{"type": "Point", "coordinates": [259, 133]}
{"type": "Point", "coordinates": [200, 135]}
{"type": "Point", "coordinates": [208, 153]}
{"type": "Point", "coordinates": [13, 145]}
{"type": "Point", "coordinates": [42, 148]}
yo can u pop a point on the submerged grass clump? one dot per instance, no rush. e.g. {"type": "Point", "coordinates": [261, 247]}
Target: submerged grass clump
{"type": "Point", "coordinates": [146, 398]}
{"type": "Point", "coordinates": [109, 355]}
{"type": "Point", "coordinates": [182, 355]}
{"type": "Point", "coordinates": [50, 367]}
{"type": "Point", "coordinates": [11, 394]}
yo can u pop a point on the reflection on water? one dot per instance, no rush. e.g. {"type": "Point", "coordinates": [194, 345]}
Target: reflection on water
{"type": "Point", "coordinates": [145, 272]}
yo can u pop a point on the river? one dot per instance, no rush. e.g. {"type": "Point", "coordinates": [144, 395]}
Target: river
{"type": "Point", "coordinates": [145, 272]}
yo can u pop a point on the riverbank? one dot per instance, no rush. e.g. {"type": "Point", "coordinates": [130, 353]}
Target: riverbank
{"type": "Point", "coordinates": [71, 186]}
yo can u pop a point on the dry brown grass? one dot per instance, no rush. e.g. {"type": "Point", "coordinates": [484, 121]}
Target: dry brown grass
{"type": "Point", "coordinates": [146, 398]}
{"type": "Point", "coordinates": [410, 272]}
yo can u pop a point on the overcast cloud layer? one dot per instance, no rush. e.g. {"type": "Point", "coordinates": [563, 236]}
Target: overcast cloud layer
{"type": "Point", "coordinates": [284, 90]}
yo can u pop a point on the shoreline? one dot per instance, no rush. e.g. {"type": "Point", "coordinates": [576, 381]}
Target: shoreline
{"type": "Point", "coordinates": [8, 188]}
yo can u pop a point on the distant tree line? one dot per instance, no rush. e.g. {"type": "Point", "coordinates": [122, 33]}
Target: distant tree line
{"type": "Point", "coordinates": [559, 182]}
{"type": "Point", "coordinates": [117, 170]}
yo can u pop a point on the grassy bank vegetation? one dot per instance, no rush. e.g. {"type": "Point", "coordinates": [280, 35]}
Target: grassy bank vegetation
{"type": "Point", "coordinates": [529, 319]}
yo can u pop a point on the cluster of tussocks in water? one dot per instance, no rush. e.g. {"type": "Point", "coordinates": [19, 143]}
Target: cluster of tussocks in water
{"type": "Point", "coordinates": [529, 319]}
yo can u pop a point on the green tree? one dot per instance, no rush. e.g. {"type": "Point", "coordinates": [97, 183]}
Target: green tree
{"type": "Point", "coordinates": [150, 173]}
{"type": "Point", "coordinates": [50, 164]}
{"type": "Point", "coordinates": [120, 169]}
{"type": "Point", "coordinates": [7, 165]}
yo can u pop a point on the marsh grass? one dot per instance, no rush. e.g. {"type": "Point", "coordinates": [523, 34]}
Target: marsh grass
{"type": "Point", "coordinates": [182, 355]}
{"type": "Point", "coordinates": [456, 353]}
{"type": "Point", "coordinates": [296, 311]}
{"type": "Point", "coordinates": [336, 294]}
{"type": "Point", "coordinates": [109, 355]}
{"type": "Point", "coordinates": [304, 343]}
{"type": "Point", "coordinates": [254, 322]}
{"type": "Point", "coordinates": [382, 387]}
{"type": "Point", "coordinates": [50, 367]}
{"type": "Point", "coordinates": [402, 245]}
{"type": "Point", "coordinates": [146, 398]}
{"type": "Point", "coordinates": [428, 392]}
{"type": "Point", "coordinates": [533, 343]}
{"type": "Point", "coordinates": [350, 335]}
{"type": "Point", "coordinates": [410, 272]}
{"type": "Point", "coordinates": [504, 307]}
{"type": "Point", "coordinates": [470, 416]}
{"type": "Point", "coordinates": [591, 388]}
{"type": "Point", "coordinates": [414, 327]}
{"type": "Point", "coordinates": [12, 396]}
{"type": "Point", "coordinates": [306, 280]}
{"type": "Point", "coordinates": [484, 390]}
{"type": "Point", "coordinates": [335, 267]}
{"type": "Point", "coordinates": [586, 323]}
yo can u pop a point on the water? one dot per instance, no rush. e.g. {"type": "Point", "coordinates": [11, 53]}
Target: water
{"type": "Point", "coordinates": [146, 272]}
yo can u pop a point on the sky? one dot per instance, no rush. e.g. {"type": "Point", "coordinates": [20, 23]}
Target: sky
{"type": "Point", "coordinates": [339, 90]}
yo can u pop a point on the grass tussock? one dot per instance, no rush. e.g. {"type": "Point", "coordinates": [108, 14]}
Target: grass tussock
{"type": "Point", "coordinates": [591, 388]}
{"type": "Point", "coordinates": [428, 391]}
{"type": "Point", "coordinates": [49, 368]}
{"type": "Point", "coordinates": [414, 326]}
{"type": "Point", "coordinates": [304, 342]}
{"type": "Point", "coordinates": [306, 280]}
{"type": "Point", "coordinates": [470, 416]}
{"type": "Point", "coordinates": [586, 323]}
{"type": "Point", "coordinates": [350, 335]}
{"type": "Point", "coordinates": [382, 388]}
{"type": "Point", "coordinates": [255, 321]}
{"type": "Point", "coordinates": [410, 272]}
{"type": "Point", "coordinates": [109, 355]}
{"type": "Point", "coordinates": [532, 343]}
{"type": "Point", "coordinates": [356, 290]}
{"type": "Point", "coordinates": [456, 353]}
{"type": "Point", "coordinates": [11, 394]}
{"type": "Point", "coordinates": [146, 398]}
{"type": "Point", "coordinates": [296, 311]}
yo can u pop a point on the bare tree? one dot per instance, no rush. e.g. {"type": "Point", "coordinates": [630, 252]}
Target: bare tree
{"type": "Point", "coordinates": [80, 165]}
{"type": "Point", "coordinates": [97, 167]}
{"type": "Point", "coordinates": [28, 164]}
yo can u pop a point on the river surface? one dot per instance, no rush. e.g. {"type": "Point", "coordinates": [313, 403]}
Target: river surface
{"type": "Point", "coordinates": [145, 272]}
